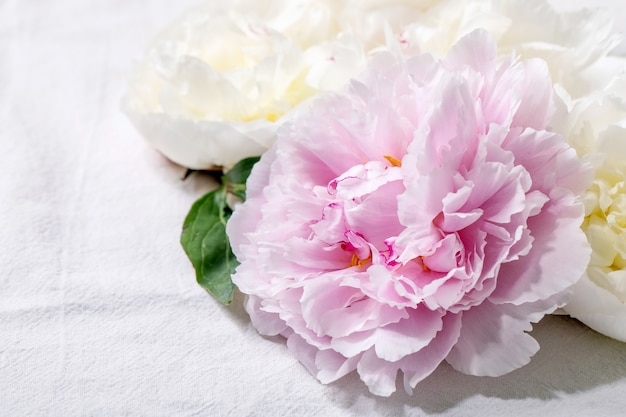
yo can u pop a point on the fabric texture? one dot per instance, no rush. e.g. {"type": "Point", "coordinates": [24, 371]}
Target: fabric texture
{"type": "Point", "coordinates": [100, 314]}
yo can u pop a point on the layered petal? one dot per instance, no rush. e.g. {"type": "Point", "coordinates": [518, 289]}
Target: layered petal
{"type": "Point", "coordinates": [493, 341]}
{"type": "Point", "coordinates": [423, 214]}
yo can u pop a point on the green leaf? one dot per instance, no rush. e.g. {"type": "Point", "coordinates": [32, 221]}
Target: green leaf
{"type": "Point", "coordinates": [235, 179]}
{"type": "Point", "coordinates": [206, 244]}
{"type": "Point", "coordinates": [240, 172]}
{"type": "Point", "coordinates": [204, 233]}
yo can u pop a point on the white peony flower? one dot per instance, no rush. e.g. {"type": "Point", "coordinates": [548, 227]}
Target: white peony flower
{"type": "Point", "coordinates": [214, 84]}
{"type": "Point", "coordinates": [597, 126]}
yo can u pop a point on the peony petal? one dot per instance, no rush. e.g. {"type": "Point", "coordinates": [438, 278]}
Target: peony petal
{"type": "Point", "coordinates": [268, 324]}
{"type": "Point", "coordinates": [535, 109]}
{"type": "Point", "coordinates": [476, 50]}
{"type": "Point", "coordinates": [552, 164]}
{"type": "Point", "coordinates": [355, 343]}
{"type": "Point", "coordinates": [493, 341]}
{"type": "Point", "coordinates": [612, 143]}
{"type": "Point", "coordinates": [336, 310]}
{"type": "Point", "coordinates": [603, 240]}
{"type": "Point", "coordinates": [200, 144]}
{"type": "Point", "coordinates": [413, 333]}
{"type": "Point", "coordinates": [421, 364]}
{"type": "Point", "coordinates": [332, 366]}
{"type": "Point", "coordinates": [378, 374]}
{"type": "Point", "coordinates": [345, 60]}
{"type": "Point", "coordinates": [532, 277]}
{"type": "Point", "coordinates": [598, 309]}
{"type": "Point", "coordinates": [304, 352]}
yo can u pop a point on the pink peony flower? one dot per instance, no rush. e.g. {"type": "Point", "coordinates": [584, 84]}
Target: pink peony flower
{"type": "Point", "coordinates": [425, 214]}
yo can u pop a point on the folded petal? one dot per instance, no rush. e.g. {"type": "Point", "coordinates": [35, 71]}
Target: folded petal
{"type": "Point", "coordinates": [493, 341]}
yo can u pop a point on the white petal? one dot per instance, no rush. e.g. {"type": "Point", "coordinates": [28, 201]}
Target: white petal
{"type": "Point", "coordinates": [598, 309]}
{"type": "Point", "coordinates": [203, 144]}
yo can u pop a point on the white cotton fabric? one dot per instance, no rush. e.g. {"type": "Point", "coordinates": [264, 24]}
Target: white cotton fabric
{"type": "Point", "coordinates": [100, 314]}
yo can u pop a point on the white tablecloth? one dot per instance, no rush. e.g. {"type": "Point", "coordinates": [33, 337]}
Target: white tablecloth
{"type": "Point", "coordinates": [100, 314]}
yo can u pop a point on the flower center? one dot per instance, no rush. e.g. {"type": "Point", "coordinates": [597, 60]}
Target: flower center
{"type": "Point", "coordinates": [356, 261]}
{"type": "Point", "coordinates": [360, 214]}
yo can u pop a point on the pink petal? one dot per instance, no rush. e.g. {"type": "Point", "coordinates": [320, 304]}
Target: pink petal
{"type": "Point", "coordinates": [333, 365]}
{"type": "Point", "coordinates": [268, 324]}
{"type": "Point", "coordinates": [535, 109]}
{"type": "Point", "coordinates": [547, 269]}
{"type": "Point", "coordinates": [332, 309]}
{"type": "Point", "coordinates": [421, 364]}
{"type": "Point", "coordinates": [409, 335]}
{"type": "Point", "coordinates": [378, 374]}
{"type": "Point", "coordinates": [493, 341]}
{"type": "Point", "coordinates": [304, 352]}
